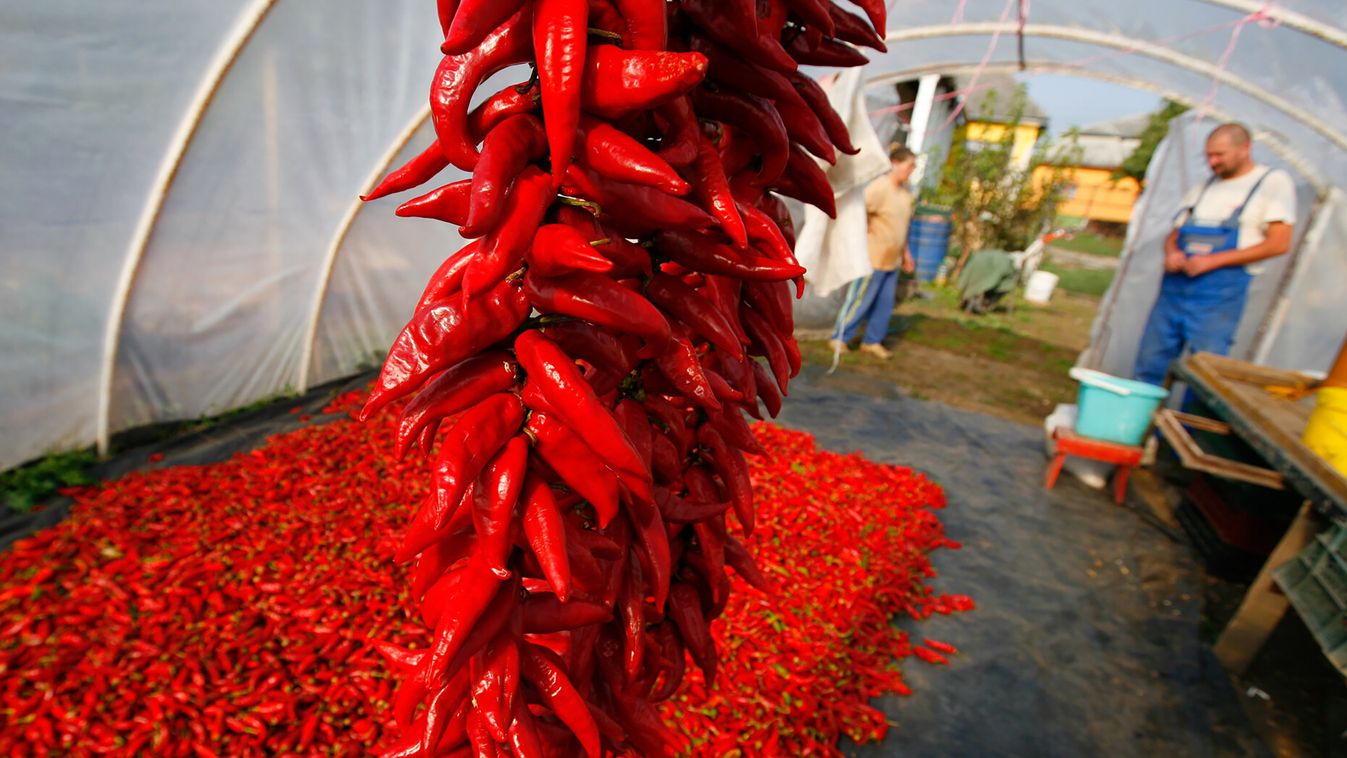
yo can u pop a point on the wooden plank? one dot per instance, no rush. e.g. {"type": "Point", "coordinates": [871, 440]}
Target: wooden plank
{"type": "Point", "coordinates": [1201, 423]}
{"type": "Point", "coordinates": [1263, 606]}
{"type": "Point", "coordinates": [1194, 457]}
{"type": "Point", "coordinates": [1251, 373]}
{"type": "Point", "coordinates": [1272, 425]}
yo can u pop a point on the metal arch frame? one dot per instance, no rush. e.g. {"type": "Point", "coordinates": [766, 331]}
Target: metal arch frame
{"type": "Point", "coordinates": [1273, 141]}
{"type": "Point", "coordinates": [339, 239]}
{"type": "Point", "coordinates": [1298, 21]}
{"type": "Point", "coordinates": [1130, 44]}
{"type": "Point", "coordinates": [248, 23]}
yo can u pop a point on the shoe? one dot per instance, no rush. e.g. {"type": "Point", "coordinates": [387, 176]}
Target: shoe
{"type": "Point", "coordinates": [877, 350]}
{"type": "Point", "coordinates": [838, 346]}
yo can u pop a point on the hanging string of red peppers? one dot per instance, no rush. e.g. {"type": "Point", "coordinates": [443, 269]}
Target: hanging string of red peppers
{"type": "Point", "coordinates": [590, 353]}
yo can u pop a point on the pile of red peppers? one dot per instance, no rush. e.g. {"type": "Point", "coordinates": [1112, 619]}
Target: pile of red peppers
{"type": "Point", "coordinates": [239, 608]}
{"type": "Point", "coordinates": [582, 367]}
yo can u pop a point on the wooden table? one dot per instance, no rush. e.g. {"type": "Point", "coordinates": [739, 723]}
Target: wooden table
{"type": "Point", "coordinates": [1247, 398]}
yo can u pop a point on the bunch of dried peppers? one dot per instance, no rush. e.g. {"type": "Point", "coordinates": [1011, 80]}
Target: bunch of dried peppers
{"type": "Point", "coordinates": [583, 364]}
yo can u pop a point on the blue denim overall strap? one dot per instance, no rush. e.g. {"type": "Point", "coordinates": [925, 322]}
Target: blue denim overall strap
{"type": "Point", "coordinates": [1201, 239]}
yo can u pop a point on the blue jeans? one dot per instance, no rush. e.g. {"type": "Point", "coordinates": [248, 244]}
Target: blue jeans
{"type": "Point", "coordinates": [1199, 313]}
{"type": "Point", "coordinates": [869, 299]}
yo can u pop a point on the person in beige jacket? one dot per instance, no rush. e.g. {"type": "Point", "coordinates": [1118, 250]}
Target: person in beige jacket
{"type": "Point", "coordinates": [870, 299]}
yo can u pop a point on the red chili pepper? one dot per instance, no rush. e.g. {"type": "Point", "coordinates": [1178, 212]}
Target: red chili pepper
{"type": "Point", "coordinates": [618, 81]}
{"type": "Point", "coordinates": [701, 253]}
{"type": "Point", "coordinates": [817, 100]}
{"type": "Point", "coordinates": [635, 210]}
{"type": "Point", "coordinates": [773, 301]}
{"type": "Point", "coordinates": [739, 75]}
{"type": "Point", "coordinates": [483, 608]}
{"type": "Point", "coordinates": [678, 362]}
{"type": "Point", "coordinates": [679, 145]}
{"type": "Point", "coordinates": [503, 250]}
{"type": "Point", "coordinates": [666, 462]}
{"type": "Point", "coordinates": [559, 249]}
{"type": "Point", "coordinates": [460, 74]}
{"type": "Point", "coordinates": [856, 30]}
{"type": "Point", "coordinates": [564, 391]}
{"type": "Point", "coordinates": [576, 464]}
{"type": "Point", "coordinates": [826, 52]}
{"type": "Point", "coordinates": [646, 22]}
{"type": "Point", "coordinates": [593, 345]}
{"type": "Point", "coordinates": [814, 14]}
{"type": "Point", "coordinates": [678, 510]}
{"type": "Point", "coordinates": [601, 301]}
{"type": "Point", "coordinates": [448, 203]}
{"type": "Point", "coordinates": [474, 21]}
{"type": "Point", "coordinates": [511, 101]}
{"type": "Point", "coordinates": [494, 504]}
{"type": "Point", "coordinates": [524, 738]}
{"type": "Point", "coordinates": [694, 310]}
{"type": "Point", "coordinates": [548, 675]}
{"type": "Point", "coordinates": [729, 463]}
{"type": "Point", "coordinates": [544, 614]}
{"type": "Point", "coordinates": [560, 38]}
{"type": "Point", "coordinates": [943, 647]}
{"type": "Point", "coordinates": [714, 189]}
{"type": "Point", "coordinates": [414, 173]}
{"type": "Point", "coordinates": [545, 531]}
{"type": "Point", "coordinates": [733, 23]}
{"type": "Point", "coordinates": [507, 149]}
{"type": "Point", "coordinates": [614, 155]}
{"type": "Point", "coordinates": [806, 129]}
{"type": "Point", "coordinates": [446, 10]}
{"type": "Point", "coordinates": [806, 182]}
{"type": "Point", "coordinates": [474, 439]}
{"type": "Point", "coordinates": [766, 342]}
{"type": "Point", "coordinates": [438, 337]}
{"type": "Point", "coordinates": [738, 557]}
{"type": "Point", "coordinates": [755, 117]}
{"type": "Point", "coordinates": [455, 390]}
{"type": "Point", "coordinates": [685, 608]}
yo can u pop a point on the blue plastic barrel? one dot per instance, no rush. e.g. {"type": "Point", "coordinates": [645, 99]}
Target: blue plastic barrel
{"type": "Point", "coordinates": [928, 239]}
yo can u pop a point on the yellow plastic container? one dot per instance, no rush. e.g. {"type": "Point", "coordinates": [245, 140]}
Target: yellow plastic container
{"type": "Point", "coordinates": [1326, 432]}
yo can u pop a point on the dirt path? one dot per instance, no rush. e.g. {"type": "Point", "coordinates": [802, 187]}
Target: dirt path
{"type": "Point", "coordinates": [1009, 364]}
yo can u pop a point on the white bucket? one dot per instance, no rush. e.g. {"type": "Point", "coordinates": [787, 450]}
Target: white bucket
{"type": "Point", "coordinates": [1040, 286]}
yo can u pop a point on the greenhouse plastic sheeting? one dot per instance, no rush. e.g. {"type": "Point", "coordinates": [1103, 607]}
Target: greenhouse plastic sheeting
{"type": "Point", "coordinates": [251, 281]}
{"type": "Point", "coordinates": [286, 147]}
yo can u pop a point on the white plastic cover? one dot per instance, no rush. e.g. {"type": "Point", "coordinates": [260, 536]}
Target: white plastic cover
{"type": "Point", "coordinates": [221, 303]}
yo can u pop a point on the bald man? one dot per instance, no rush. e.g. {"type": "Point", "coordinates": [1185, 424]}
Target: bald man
{"type": "Point", "coordinates": [1242, 215]}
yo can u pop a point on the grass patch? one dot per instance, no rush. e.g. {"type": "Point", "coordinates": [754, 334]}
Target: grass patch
{"type": "Point", "coordinates": [1092, 282]}
{"type": "Point", "coordinates": [23, 487]}
{"type": "Point", "coordinates": [1092, 244]}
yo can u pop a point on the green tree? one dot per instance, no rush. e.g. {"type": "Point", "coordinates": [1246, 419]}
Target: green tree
{"type": "Point", "coordinates": [993, 203]}
{"type": "Point", "coordinates": [1157, 126]}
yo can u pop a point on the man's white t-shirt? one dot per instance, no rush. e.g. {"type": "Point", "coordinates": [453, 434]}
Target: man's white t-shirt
{"type": "Point", "coordinates": [1275, 200]}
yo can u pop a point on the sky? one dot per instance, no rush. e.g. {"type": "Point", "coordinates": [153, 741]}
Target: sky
{"type": "Point", "coordinates": [1076, 101]}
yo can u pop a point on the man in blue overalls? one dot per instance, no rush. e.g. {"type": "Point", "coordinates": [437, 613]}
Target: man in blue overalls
{"type": "Point", "coordinates": [1243, 214]}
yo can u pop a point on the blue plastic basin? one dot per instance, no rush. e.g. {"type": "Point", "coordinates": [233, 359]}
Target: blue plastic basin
{"type": "Point", "coordinates": [1115, 409]}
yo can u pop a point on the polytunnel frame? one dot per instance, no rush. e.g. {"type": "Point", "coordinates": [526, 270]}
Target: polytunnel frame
{"type": "Point", "coordinates": [253, 16]}
{"type": "Point", "coordinates": [249, 21]}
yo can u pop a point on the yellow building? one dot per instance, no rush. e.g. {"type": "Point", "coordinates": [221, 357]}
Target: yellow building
{"type": "Point", "coordinates": [1095, 195]}
{"type": "Point", "coordinates": [1092, 193]}
{"type": "Point", "coordinates": [1022, 144]}
{"type": "Point", "coordinates": [989, 110]}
